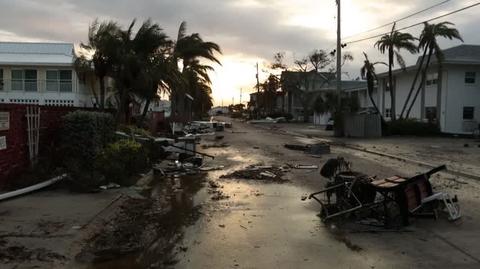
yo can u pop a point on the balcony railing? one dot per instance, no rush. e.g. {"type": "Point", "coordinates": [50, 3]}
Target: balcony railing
{"type": "Point", "coordinates": [30, 85]}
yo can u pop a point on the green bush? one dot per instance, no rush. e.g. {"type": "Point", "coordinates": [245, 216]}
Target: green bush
{"type": "Point", "coordinates": [121, 160]}
{"type": "Point", "coordinates": [411, 127]}
{"type": "Point", "coordinates": [84, 136]}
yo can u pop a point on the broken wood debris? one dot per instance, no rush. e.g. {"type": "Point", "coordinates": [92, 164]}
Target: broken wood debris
{"type": "Point", "coordinates": [312, 149]}
{"type": "Point", "coordinates": [259, 172]}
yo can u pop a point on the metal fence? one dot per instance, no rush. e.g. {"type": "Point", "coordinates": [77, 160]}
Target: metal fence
{"type": "Point", "coordinates": [366, 125]}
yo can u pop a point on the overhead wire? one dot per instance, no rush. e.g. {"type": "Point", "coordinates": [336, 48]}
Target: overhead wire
{"type": "Point", "coordinates": [416, 24]}
{"type": "Point", "coordinates": [398, 20]}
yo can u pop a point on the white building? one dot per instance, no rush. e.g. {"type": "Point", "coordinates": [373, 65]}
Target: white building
{"type": "Point", "coordinates": [459, 98]}
{"type": "Point", "coordinates": [43, 74]}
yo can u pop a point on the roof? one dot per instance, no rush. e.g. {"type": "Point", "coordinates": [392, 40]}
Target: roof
{"type": "Point", "coordinates": [349, 85]}
{"type": "Point", "coordinates": [323, 81]}
{"type": "Point", "coordinates": [463, 54]}
{"type": "Point", "coordinates": [288, 76]}
{"type": "Point", "coordinates": [24, 53]}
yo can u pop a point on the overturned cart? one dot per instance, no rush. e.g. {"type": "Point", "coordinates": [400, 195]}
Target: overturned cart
{"type": "Point", "coordinates": [392, 200]}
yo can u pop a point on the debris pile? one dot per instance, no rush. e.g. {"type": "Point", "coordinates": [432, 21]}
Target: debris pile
{"type": "Point", "coordinates": [215, 190]}
{"type": "Point", "coordinates": [313, 149]}
{"type": "Point", "coordinates": [259, 172]}
{"type": "Point", "coordinates": [215, 145]}
{"type": "Point", "coordinates": [392, 201]}
{"type": "Point", "coordinates": [17, 253]}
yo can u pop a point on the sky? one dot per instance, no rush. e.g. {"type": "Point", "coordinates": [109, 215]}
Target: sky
{"type": "Point", "coordinates": [248, 31]}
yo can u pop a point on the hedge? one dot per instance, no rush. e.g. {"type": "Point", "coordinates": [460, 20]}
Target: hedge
{"type": "Point", "coordinates": [84, 136]}
{"type": "Point", "coordinates": [411, 127]}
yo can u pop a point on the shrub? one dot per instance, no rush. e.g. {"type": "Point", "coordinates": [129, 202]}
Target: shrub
{"type": "Point", "coordinates": [84, 136]}
{"type": "Point", "coordinates": [411, 127]}
{"type": "Point", "coordinates": [121, 160]}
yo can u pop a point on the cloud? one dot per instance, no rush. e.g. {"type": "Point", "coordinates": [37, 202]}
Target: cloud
{"type": "Point", "coordinates": [255, 29]}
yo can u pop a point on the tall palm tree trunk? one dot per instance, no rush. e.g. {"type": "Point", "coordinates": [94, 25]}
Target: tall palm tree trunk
{"type": "Point", "coordinates": [370, 86]}
{"type": "Point", "coordinates": [102, 93]}
{"type": "Point", "coordinates": [412, 88]}
{"type": "Point", "coordinates": [122, 106]}
{"type": "Point", "coordinates": [145, 109]}
{"type": "Point", "coordinates": [390, 81]}
{"type": "Point", "coordinates": [422, 83]}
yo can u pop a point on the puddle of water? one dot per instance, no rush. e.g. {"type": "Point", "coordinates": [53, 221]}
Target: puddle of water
{"type": "Point", "coordinates": [184, 196]}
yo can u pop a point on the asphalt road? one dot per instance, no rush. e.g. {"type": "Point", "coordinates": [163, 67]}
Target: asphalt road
{"type": "Point", "coordinates": [267, 225]}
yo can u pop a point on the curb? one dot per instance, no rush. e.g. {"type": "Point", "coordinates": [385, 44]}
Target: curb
{"type": "Point", "coordinates": [420, 163]}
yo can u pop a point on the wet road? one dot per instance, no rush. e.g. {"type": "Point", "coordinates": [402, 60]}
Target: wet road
{"type": "Point", "coordinates": [261, 225]}
{"type": "Point", "coordinates": [267, 225]}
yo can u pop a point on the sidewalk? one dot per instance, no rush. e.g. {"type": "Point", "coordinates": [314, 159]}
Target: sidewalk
{"type": "Point", "coordinates": [44, 229]}
{"type": "Point", "coordinates": [461, 155]}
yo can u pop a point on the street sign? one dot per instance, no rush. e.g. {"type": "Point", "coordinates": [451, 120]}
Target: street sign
{"type": "Point", "coordinates": [3, 142]}
{"type": "Point", "coordinates": [4, 121]}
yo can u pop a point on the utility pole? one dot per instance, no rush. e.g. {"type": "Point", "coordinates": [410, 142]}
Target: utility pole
{"type": "Point", "coordinates": [257, 102]}
{"type": "Point", "coordinates": [339, 53]}
{"type": "Point", "coordinates": [258, 81]}
{"type": "Point", "coordinates": [241, 95]}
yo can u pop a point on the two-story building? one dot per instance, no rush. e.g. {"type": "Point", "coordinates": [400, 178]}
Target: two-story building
{"type": "Point", "coordinates": [457, 101]}
{"type": "Point", "coordinates": [42, 74]}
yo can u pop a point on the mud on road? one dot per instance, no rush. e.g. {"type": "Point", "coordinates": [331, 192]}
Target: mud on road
{"type": "Point", "coordinates": [235, 222]}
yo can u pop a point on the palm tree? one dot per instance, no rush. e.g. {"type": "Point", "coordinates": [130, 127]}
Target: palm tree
{"type": "Point", "coordinates": [428, 42]}
{"type": "Point", "coordinates": [190, 50]}
{"type": "Point", "coordinates": [368, 72]}
{"type": "Point", "coordinates": [158, 76]}
{"type": "Point", "coordinates": [135, 55]}
{"type": "Point", "coordinates": [103, 42]}
{"type": "Point", "coordinates": [392, 44]}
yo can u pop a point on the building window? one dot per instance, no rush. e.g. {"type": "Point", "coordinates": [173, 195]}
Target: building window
{"type": "Point", "coordinates": [432, 79]}
{"type": "Point", "coordinates": [59, 80]}
{"type": "Point", "coordinates": [470, 77]}
{"type": "Point", "coordinates": [30, 80]}
{"type": "Point", "coordinates": [17, 80]}
{"type": "Point", "coordinates": [468, 112]}
{"type": "Point", "coordinates": [24, 80]}
{"type": "Point", "coordinates": [431, 114]}
{"type": "Point", "coordinates": [388, 113]}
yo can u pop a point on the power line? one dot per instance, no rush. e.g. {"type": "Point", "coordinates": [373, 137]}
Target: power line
{"type": "Point", "coordinates": [416, 24]}
{"type": "Point", "coordinates": [399, 20]}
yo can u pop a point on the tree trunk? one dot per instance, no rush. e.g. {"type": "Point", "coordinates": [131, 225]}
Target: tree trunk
{"type": "Point", "coordinates": [145, 109]}
{"type": "Point", "coordinates": [412, 88]}
{"type": "Point", "coordinates": [439, 94]}
{"type": "Point", "coordinates": [370, 87]}
{"type": "Point", "coordinates": [424, 77]}
{"type": "Point", "coordinates": [121, 112]}
{"type": "Point", "coordinates": [390, 84]}
{"type": "Point", "coordinates": [102, 93]}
